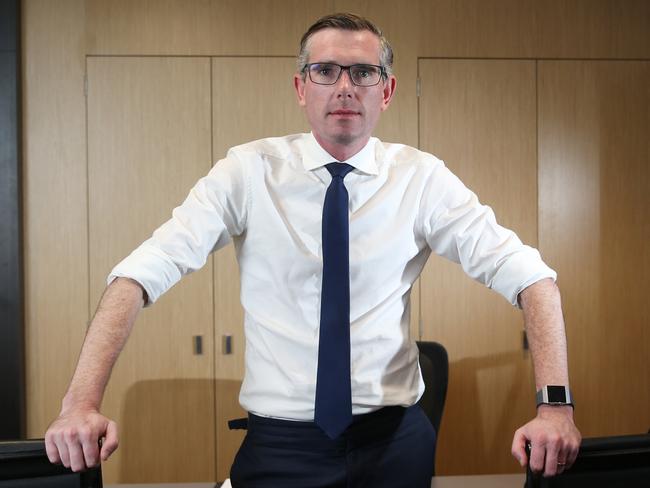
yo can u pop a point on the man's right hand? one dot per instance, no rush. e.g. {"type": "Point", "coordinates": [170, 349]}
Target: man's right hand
{"type": "Point", "coordinates": [73, 439]}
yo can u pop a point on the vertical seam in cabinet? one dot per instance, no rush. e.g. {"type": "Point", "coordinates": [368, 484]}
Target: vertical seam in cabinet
{"type": "Point", "coordinates": [537, 189]}
{"type": "Point", "coordinates": [86, 97]}
{"type": "Point", "coordinates": [214, 312]}
{"type": "Point", "coordinates": [418, 97]}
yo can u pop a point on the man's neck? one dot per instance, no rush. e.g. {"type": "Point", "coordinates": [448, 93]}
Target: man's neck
{"type": "Point", "coordinates": [342, 152]}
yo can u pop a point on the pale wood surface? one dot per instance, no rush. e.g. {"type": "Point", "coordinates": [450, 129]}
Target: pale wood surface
{"type": "Point", "coordinates": [148, 143]}
{"type": "Point", "coordinates": [200, 27]}
{"type": "Point", "coordinates": [594, 167]}
{"type": "Point", "coordinates": [439, 28]}
{"type": "Point", "coordinates": [479, 116]}
{"type": "Point", "coordinates": [54, 203]}
{"type": "Point", "coordinates": [533, 29]}
{"type": "Point", "coordinates": [228, 441]}
{"type": "Point", "coordinates": [256, 99]}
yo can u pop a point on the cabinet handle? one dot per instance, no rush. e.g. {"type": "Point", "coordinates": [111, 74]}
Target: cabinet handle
{"type": "Point", "coordinates": [197, 342]}
{"type": "Point", "coordinates": [226, 344]}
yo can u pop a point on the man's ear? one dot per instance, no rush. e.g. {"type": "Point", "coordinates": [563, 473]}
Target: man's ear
{"type": "Point", "coordinates": [299, 85]}
{"type": "Point", "coordinates": [389, 90]}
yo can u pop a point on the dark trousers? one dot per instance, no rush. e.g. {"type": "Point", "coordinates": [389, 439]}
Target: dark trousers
{"type": "Point", "coordinates": [392, 447]}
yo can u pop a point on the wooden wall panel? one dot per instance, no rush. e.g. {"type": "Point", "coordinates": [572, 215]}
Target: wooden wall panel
{"type": "Point", "coordinates": [534, 29]}
{"type": "Point", "coordinates": [55, 41]}
{"type": "Point", "coordinates": [479, 116]}
{"type": "Point", "coordinates": [54, 202]}
{"type": "Point", "coordinates": [149, 141]}
{"type": "Point", "coordinates": [243, 110]}
{"type": "Point", "coordinates": [594, 210]}
{"type": "Point", "coordinates": [200, 27]}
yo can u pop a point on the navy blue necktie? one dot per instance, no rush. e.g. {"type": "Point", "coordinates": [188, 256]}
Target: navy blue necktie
{"type": "Point", "coordinates": [333, 409]}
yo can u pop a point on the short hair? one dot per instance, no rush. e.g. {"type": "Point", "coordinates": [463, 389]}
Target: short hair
{"type": "Point", "coordinates": [346, 21]}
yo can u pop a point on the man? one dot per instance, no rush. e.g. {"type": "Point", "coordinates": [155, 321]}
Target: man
{"type": "Point", "coordinates": [331, 230]}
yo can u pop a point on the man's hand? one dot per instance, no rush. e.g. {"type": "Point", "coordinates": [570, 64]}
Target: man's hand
{"type": "Point", "coordinates": [73, 439]}
{"type": "Point", "coordinates": [554, 440]}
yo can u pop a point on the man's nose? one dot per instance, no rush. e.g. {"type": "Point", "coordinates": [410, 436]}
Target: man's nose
{"type": "Point", "coordinates": [344, 85]}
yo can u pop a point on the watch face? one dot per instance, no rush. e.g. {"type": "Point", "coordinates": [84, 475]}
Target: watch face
{"type": "Point", "coordinates": [556, 394]}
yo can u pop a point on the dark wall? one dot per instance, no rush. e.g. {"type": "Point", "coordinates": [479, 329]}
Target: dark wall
{"type": "Point", "coordinates": [12, 368]}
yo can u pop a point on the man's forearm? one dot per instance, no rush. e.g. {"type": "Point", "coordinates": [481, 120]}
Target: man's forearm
{"type": "Point", "coordinates": [546, 334]}
{"type": "Point", "coordinates": [104, 340]}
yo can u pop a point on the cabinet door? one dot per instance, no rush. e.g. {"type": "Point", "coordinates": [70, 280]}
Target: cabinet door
{"type": "Point", "coordinates": [479, 116]}
{"type": "Point", "coordinates": [149, 141]}
{"type": "Point", "coordinates": [252, 98]}
{"type": "Point", "coordinates": [594, 226]}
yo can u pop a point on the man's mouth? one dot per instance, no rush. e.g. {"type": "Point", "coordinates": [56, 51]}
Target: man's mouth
{"type": "Point", "coordinates": [344, 113]}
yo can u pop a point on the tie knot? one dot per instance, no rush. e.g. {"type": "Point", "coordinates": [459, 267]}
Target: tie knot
{"type": "Point", "coordinates": [339, 169]}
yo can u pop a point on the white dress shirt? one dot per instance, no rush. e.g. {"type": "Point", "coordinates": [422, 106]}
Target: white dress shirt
{"type": "Point", "coordinates": [267, 196]}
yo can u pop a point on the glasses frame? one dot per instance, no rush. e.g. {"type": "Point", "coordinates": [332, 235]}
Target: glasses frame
{"type": "Point", "coordinates": [382, 73]}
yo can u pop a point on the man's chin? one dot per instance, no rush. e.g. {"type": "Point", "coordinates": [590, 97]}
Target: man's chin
{"type": "Point", "coordinates": [346, 138]}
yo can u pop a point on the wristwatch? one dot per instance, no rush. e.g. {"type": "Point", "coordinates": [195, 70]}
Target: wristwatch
{"type": "Point", "coordinates": [554, 395]}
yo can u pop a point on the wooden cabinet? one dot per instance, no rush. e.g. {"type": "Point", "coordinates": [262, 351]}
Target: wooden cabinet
{"type": "Point", "coordinates": [149, 140]}
{"type": "Point", "coordinates": [594, 228]}
{"type": "Point", "coordinates": [559, 149]}
{"type": "Point", "coordinates": [479, 116]}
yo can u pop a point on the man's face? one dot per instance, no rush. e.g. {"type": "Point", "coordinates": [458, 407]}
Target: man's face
{"type": "Point", "coordinates": [342, 116]}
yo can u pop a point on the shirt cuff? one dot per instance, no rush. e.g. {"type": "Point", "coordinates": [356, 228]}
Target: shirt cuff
{"type": "Point", "coordinates": [520, 271]}
{"type": "Point", "coordinates": [151, 268]}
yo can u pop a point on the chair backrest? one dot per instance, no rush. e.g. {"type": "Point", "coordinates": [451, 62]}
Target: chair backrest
{"type": "Point", "coordinates": [24, 464]}
{"type": "Point", "coordinates": [604, 462]}
{"type": "Point", "coordinates": [434, 364]}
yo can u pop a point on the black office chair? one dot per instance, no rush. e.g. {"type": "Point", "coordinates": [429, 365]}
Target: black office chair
{"type": "Point", "coordinates": [24, 464]}
{"type": "Point", "coordinates": [434, 364]}
{"type": "Point", "coordinates": [603, 462]}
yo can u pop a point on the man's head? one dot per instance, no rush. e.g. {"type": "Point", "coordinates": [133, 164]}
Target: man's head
{"type": "Point", "coordinates": [343, 105]}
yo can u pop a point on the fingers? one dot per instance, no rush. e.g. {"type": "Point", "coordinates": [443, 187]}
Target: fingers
{"type": "Point", "coordinates": [74, 440]}
{"type": "Point", "coordinates": [110, 442]}
{"type": "Point", "coordinates": [537, 457]}
{"type": "Point", "coordinates": [51, 448]}
{"type": "Point", "coordinates": [75, 451]}
{"type": "Point", "coordinates": [550, 466]}
{"type": "Point", "coordinates": [552, 456]}
{"type": "Point", "coordinates": [572, 453]}
{"type": "Point", "coordinates": [90, 448]}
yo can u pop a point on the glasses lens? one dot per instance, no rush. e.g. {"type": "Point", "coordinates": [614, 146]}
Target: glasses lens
{"type": "Point", "coordinates": [365, 74]}
{"type": "Point", "coordinates": [324, 74]}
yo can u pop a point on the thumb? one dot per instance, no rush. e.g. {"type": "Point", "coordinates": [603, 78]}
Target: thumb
{"type": "Point", "coordinates": [110, 442]}
{"type": "Point", "coordinates": [519, 448]}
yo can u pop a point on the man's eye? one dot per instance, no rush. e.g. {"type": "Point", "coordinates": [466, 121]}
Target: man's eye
{"type": "Point", "coordinates": [324, 71]}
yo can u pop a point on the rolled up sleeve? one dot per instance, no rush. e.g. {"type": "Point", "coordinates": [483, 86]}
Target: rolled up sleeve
{"type": "Point", "coordinates": [214, 211]}
{"type": "Point", "coordinates": [457, 226]}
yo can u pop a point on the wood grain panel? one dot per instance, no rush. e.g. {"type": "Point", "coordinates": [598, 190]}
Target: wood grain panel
{"type": "Point", "coordinates": [148, 142]}
{"type": "Point", "coordinates": [476, 28]}
{"type": "Point", "coordinates": [54, 202]}
{"type": "Point", "coordinates": [532, 29]}
{"type": "Point", "coordinates": [594, 157]}
{"type": "Point", "coordinates": [252, 98]}
{"type": "Point", "coordinates": [479, 116]}
{"type": "Point", "coordinates": [245, 109]}
{"type": "Point", "coordinates": [200, 27]}
{"type": "Point", "coordinates": [592, 29]}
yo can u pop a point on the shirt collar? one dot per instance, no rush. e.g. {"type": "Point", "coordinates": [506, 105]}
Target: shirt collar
{"type": "Point", "coordinates": [314, 156]}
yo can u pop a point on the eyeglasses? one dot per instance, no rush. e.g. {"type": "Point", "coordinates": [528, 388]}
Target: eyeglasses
{"type": "Point", "coordinates": [329, 73]}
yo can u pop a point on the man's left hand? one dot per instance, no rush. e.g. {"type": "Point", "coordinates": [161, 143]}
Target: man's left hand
{"type": "Point", "coordinates": [554, 440]}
